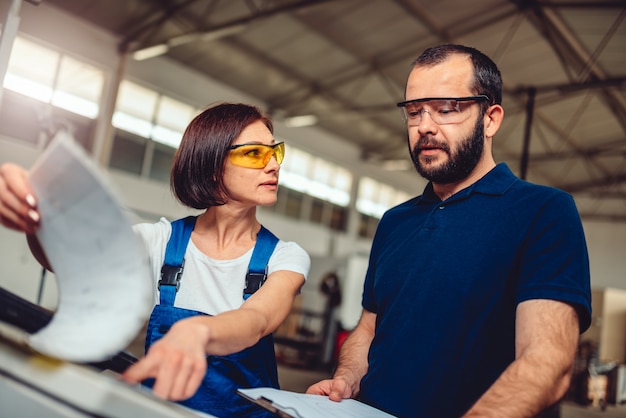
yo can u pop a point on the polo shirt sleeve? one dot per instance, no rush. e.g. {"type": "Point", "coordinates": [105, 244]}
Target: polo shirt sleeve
{"type": "Point", "coordinates": [554, 261]}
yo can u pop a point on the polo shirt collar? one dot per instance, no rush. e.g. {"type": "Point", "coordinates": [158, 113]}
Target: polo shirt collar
{"type": "Point", "coordinates": [495, 182]}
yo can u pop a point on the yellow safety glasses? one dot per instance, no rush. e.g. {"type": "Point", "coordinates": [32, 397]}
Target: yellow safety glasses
{"type": "Point", "coordinates": [256, 155]}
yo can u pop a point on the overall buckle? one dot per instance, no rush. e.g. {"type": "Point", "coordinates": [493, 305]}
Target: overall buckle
{"type": "Point", "coordinates": [171, 275]}
{"type": "Point", "coordinates": [254, 281]}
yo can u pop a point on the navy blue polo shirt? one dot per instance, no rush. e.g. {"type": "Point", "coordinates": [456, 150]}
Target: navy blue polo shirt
{"type": "Point", "coordinates": [445, 278]}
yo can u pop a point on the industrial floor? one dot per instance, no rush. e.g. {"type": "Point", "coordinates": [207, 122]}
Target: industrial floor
{"type": "Point", "coordinates": [298, 380]}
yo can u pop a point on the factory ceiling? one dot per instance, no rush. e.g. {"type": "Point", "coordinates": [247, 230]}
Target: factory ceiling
{"type": "Point", "coordinates": [344, 63]}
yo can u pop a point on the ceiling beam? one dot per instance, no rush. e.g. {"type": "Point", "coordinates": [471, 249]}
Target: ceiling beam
{"type": "Point", "coordinates": [170, 13]}
{"type": "Point", "coordinates": [597, 184]}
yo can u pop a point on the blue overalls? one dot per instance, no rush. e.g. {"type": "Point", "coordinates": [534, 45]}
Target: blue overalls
{"type": "Point", "coordinates": [252, 367]}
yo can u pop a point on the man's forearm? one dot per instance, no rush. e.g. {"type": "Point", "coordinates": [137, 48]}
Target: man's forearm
{"type": "Point", "coordinates": [526, 388]}
{"type": "Point", "coordinates": [353, 355]}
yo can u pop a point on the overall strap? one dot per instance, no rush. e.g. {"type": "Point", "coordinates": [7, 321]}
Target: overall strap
{"type": "Point", "coordinates": [172, 270]}
{"type": "Point", "coordinates": [257, 269]}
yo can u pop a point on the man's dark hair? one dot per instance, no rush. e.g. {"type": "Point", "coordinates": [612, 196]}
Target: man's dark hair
{"type": "Point", "coordinates": [487, 78]}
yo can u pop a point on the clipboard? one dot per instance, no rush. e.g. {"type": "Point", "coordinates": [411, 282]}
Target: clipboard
{"type": "Point", "coordinates": [286, 404]}
{"type": "Point", "coordinates": [267, 404]}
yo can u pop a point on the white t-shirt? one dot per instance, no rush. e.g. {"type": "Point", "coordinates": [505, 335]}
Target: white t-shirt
{"type": "Point", "coordinates": [208, 285]}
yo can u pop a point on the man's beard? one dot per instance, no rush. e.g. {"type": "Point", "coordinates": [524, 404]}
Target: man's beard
{"type": "Point", "coordinates": [459, 165]}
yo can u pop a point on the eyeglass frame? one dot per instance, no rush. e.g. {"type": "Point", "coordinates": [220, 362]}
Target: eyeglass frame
{"type": "Point", "coordinates": [273, 147]}
{"type": "Point", "coordinates": [402, 105]}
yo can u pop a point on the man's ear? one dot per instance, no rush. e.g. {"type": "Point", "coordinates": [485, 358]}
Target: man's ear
{"type": "Point", "coordinates": [493, 119]}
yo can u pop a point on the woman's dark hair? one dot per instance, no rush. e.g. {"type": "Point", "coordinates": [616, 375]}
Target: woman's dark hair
{"type": "Point", "coordinates": [487, 77]}
{"type": "Point", "coordinates": [196, 178]}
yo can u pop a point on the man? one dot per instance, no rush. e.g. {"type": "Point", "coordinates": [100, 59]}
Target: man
{"type": "Point", "coordinates": [477, 290]}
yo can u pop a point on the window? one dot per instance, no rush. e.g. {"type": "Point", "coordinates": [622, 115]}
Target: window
{"type": "Point", "coordinates": [367, 226]}
{"type": "Point", "coordinates": [45, 90]}
{"type": "Point", "coordinates": [295, 168]}
{"type": "Point", "coordinates": [293, 203]}
{"type": "Point", "coordinates": [162, 158]}
{"type": "Point", "coordinates": [374, 198]}
{"type": "Point", "coordinates": [51, 77]}
{"type": "Point", "coordinates": [128, 153]}
{"type": "Point", "coordinates": [147, 113]}
{"type": "Point", "coordinates": [141, 112]}
{"type": "Point", "coordinates": [339, 218]}
{"type": "Point", "coordinates": [79, 87]}
{"type": "Point", "coordinates": [32, 69]}
{"type": "Point", "coordinates": [134, 108]}
{"type": "Point", "coordinates": [316, 177]}
{"type": "Point", "coordinates": [317, 211]}
{"type": "Point", "coordinates": [171, 120]}
{"type": "Point", "coordinates": [327, 185]}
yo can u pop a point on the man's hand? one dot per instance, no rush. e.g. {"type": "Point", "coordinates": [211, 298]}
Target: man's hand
{"type": "Point", "coordinates": [346, 382]}
{"type": "Point", "coordinates": [336, 389]}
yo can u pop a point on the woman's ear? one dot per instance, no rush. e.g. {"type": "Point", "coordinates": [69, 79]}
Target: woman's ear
{"type": "Point", "coordinates": [493, 119]}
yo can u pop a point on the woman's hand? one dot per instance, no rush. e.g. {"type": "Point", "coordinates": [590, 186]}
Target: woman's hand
{"type": "Point", "coordinates": [18, 205]}
{"type": "Point", "coordinates": [177, 361]}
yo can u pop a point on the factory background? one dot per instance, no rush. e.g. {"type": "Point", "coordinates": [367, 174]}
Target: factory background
{"type": "Point", "coordinates": [65, 73]}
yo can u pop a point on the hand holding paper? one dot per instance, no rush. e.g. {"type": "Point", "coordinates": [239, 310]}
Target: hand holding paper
{"type": "Point", "coordinates": [101, 268]}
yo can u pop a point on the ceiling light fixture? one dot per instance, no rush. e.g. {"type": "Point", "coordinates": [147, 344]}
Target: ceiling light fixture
{"type": "Point", "coordinates": [208, 36]}
{"type": "Point", "coordinates": [150, 52]}
{"type": "Point", "coordinates": [300, 121]}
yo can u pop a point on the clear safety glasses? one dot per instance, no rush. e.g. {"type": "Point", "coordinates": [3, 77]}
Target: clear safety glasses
{"type": "Point", "coordinates": [442, 110]}
{"type": "Point", "coordinates": [256, 155]}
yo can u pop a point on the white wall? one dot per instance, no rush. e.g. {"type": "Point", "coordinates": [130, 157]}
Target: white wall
{"type": "Point", "coordinates": [607, 253]}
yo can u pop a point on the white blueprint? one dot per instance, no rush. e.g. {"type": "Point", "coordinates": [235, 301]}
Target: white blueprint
{"type": "Point", "coordinates": [100, 265]}
{"type": "Point", "coordinates": [299, 405]}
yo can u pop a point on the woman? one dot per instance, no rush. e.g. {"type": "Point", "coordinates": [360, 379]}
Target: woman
{"type": "Point", "coordinates": [209, 310]}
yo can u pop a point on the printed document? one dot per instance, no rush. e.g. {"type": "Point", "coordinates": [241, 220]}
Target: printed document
{"type": "Point", "coordinates": [299, 405]}
{"type": "Point", "coordinates": [105, 289]}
